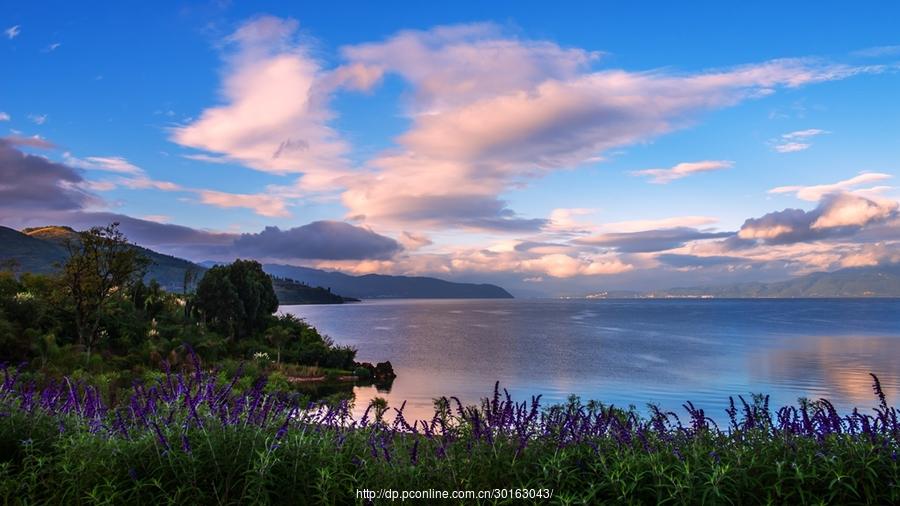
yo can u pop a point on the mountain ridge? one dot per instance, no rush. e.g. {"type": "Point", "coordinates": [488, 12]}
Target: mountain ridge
{"type": "Point", "coordinates": [381, 286]}
{"type": "Point", "coordinates": [850, 282]}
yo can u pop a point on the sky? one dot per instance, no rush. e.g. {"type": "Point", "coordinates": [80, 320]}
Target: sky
{"type": "Point", "coordinates": [554, 149]}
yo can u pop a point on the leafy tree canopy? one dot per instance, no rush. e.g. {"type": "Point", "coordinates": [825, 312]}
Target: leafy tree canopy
{"type": "Point", "coordinates": [236, 299]}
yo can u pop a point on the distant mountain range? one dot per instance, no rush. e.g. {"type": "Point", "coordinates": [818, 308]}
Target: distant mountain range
{"type": "Point", "coordinates": [42, 250]}
{"type": "Point", "coordinates": [377, 286]}
{"type": "Point", "coordinates": [874, 281]}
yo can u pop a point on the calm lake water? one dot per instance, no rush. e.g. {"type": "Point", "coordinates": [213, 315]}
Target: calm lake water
{"type": "Point", "coordinates": [622, 351]}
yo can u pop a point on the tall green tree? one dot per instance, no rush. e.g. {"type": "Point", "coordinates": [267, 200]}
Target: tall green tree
{"type": "Point", "coordinates": [236, 299]}
{"type": "Point", "coordinates": [102, 264]}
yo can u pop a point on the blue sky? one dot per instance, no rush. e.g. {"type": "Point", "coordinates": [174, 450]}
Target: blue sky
{"type": "Point", "coordinates": [529, 145]}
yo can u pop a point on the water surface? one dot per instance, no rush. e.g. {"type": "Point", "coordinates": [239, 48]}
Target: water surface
{"type": "Point", "coordinates": [622, 351]}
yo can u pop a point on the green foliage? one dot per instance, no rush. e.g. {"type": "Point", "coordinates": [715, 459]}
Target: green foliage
{"type": "Point", "coordinates": [101, 262]}
{"type": "Point", "coordinates": [140, 325]}
{"type": "Point", "coordinates": [241, 464]}
{"type": "Point", "coordinates": [236, 299]}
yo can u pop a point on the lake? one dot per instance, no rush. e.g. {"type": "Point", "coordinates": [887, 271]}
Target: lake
{"type": "Point", "coordinates": [622, 351]}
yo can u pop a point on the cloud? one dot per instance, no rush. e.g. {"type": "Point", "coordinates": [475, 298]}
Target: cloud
{"type": "Point", "coordinates": [565, 220]}
{"type": "Point", "coordinates": [816, 192]}
{"type": "Point", "coordinates": [35, 190]}
{"type": "Point", "coordinates": [685, 169]}
{"type": "Point", "coordinates": [168, 238]}
{"type": "Point", "coordinates": [650, 240]}
{"type": "Point", "coordinates": [663, 223]}
{"type": "Point", "coordinates": [565, 266]}
{"type": "Point", "coordinates": [838, 214]}
{"type": "Point", "coordinates": [130, 175]}
{"type": "Point", "coordinates": [449, 68]}
{"type": "Point", "coordinates": [269, 204]}
{"type": "Point", "coordinates": [29, 182]}
{"type": "Point", "coordinates": [115, 164]}
{"type": "Point", "coordinates": [454, 206]}
{"type": "Point", "coordinates": [542, 248]}
{"type": "Point", "coordinates": [692, 261]}
{"type": "Point", "coordinates": [262, 204]}
{"type": "Point", "coordinates": [482, 126]}
{"type": "Point", "coordinates": [479, 125]}
{"type": "Point", "coordinates": [412, 241]}
{"type": "Point", "coordinates": [158, 218]}
{"type": "Point", "coordinates": [843, 211]}
{"type": "Point", "coordinates": [804, 134]}
{"type": "Point", "coordinates": [12, 32]}
{"type": "Point", "coordinates": [791, 141]}
{"type": "Point", "coordinates": [318, 240]}
{"type": "Point", "coordinates": [274, 117]}
{"type": "Point", "coordinates": [4, 116]}
{"type": "Point", "coordinates": [38, 119]}
{"type": "Point", "coordinates": [34, 141]}
{"type": "Point", "coordinates": [877, 51]}
{"type": "Point", "coordinates": [52, 47]}
{"type": "Point", "coordinates": [792, 147]}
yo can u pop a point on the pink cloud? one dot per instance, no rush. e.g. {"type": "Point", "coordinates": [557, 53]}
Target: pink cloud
{"type": "Point", "coordinates": [482, 125]}
{"type": "Point", "coordinates": [264, 205]}
{"type": "Point", "coordinates": [791, 141]}
{"type": "Point", "coordinates": [489, 112]}
{"type": "Point", "coordinates": [273, 117]}
{"type": "Point", "coordinates": [685, 169]}
{"type": "Point", "coordinates": [815, 193]}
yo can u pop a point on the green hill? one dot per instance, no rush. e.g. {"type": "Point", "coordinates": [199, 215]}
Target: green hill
{"type": "Point", "coordinates": [167, 270]}
{"type": "Point", "coordinates": [29, 254]}
{"type": "Point", "coordinates": [291, 292]}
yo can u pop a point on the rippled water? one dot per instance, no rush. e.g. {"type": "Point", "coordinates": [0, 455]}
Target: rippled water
{"type": "Point", "coordinates": [623, 351]}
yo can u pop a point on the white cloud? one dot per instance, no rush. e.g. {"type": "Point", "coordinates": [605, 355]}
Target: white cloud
{"type": "Point", "coordinates": [4, 116]}
{"type": "Point", "coordinates": [792, 147]}
{"type": "Point", "coordinates": [38, 119]}
{"type": "Point", "coordinates": [130, 175]}
{"type": "Point", "coordinates": [115, 164]}
{"type": "Point", "coordinates": [803, 134]}
{"type": "Point", "coordinates": [12, 32]}
{"type": "Point", "coordinates": [685, 169]}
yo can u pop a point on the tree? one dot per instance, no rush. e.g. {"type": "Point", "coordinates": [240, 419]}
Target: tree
{"type": "Point", "coordinates": [236, 299]}
{"type": "Point", "coordinates": [101, 264]}
{"type": "Point", "coordinates": [277, 337]}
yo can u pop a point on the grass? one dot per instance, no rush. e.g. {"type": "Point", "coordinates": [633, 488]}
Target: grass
{"type": "Point", "coordinates": [192, 439]}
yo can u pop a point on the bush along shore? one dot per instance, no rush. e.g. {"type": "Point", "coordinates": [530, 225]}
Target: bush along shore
{"type": "Point", "coordinates": [191, 438]}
